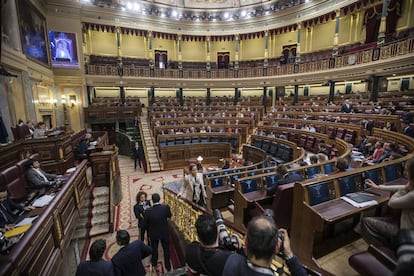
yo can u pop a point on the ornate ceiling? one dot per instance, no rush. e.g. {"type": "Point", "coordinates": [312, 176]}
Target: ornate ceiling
{"type": "Point", "coordinates": [196, 17]}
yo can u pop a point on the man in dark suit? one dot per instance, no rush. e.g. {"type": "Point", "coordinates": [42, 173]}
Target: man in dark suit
{"type": "Point", "coordinates": [138, 154]}
{"type": "Point", "coordinates": [128, 260]}
{"type": "Point", "coordinates": [9, 210]}
{"type": "Point", "coordinates": [37, 177]}
{"type": "Point", "coordinates": [407, 128]}
{"type": "Point", "coordinates": [347, 107]}
{"type": "Point", "coordinates": [284, 178]}
{"type": "Point", "coordinates": [156, 221]}
{"type": "Point", "coordinates": [96, 266]}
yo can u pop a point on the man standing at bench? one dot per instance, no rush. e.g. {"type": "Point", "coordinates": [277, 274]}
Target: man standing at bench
{"type": "Point", "coordinates": [37, 177]}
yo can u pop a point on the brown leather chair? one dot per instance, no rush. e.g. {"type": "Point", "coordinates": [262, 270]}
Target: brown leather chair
{"type": "Point", "coordinates": [16, 183]}
{"type": "Point", "coordinates": [282, 206]}
{"type": "Point", "coordinates": [373, 262]}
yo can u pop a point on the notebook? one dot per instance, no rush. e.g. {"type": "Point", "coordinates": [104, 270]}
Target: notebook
{"type": "Point", "coordinates": [360, 199]}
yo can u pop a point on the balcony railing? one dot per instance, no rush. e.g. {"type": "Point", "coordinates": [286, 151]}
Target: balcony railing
{"type": "Point", "coordinates": [394, 49]}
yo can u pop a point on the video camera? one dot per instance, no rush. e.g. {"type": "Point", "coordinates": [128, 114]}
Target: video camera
{"type": "Point", "coordinates": [229, 242]}
{"type": "Point", "coordinates": [269, 214]}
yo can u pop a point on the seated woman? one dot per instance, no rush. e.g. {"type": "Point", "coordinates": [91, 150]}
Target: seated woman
{"type": "Point", "coordinates": [381, 230]}
{"type": "Point", "coordinates": [193, 188]}
{"type": "Point", "coordinates": [342, 165]}
{"type": "Point", "coordinates": [40, 130]}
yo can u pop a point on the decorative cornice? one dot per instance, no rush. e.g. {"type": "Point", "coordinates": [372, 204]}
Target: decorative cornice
{"type": "Point", "coordinates": [106, 16]}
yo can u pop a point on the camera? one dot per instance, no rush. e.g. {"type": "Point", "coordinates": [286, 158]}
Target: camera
{"type": "Point", "coordinates": [269, 214]}
{"type": "Point", "coordinates": [229, 242]}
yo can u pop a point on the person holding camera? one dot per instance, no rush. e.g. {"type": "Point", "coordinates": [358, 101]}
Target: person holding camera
{"type": "Point", "coordinates": [208, 257]}
{"type": "Point", "coordinates": [263, 241]}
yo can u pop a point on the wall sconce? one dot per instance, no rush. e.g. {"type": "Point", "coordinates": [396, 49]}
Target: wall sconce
{"type": "Point", "coordinates": [72, 100]}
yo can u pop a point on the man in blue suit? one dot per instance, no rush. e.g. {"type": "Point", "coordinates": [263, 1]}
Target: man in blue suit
{"type": "Point", "coordinates": [284, 178]}
{"type": "Point", "coordinates": [128, 260]}
{"type": "Point", "coordinates": [156, 221]}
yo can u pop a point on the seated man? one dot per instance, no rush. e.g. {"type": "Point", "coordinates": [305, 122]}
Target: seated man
{"type": "Point", "coordinates": [37, 178]}
{"type": "Point", "coordinates": [9, 210]}
{"type": "Point", "coordinates": [284, 178]}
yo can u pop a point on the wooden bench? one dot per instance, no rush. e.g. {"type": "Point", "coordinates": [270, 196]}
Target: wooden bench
{"type": "Point", "coordinates": [317, 202]}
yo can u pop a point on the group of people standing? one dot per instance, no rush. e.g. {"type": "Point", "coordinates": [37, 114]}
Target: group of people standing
{"type": "Point", "coordinates": [152, 219]}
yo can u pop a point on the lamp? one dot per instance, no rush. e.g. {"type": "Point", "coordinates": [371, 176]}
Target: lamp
{"type": "Point", "coordinates": [199, 159]}
{"type": "Point", "coordinates": [72, 100]}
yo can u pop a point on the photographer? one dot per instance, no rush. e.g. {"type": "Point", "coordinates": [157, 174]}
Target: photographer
{"type": "Point", "coordinates": [263, 241]}
{"type": "Point", "coordinates": [207, 257]}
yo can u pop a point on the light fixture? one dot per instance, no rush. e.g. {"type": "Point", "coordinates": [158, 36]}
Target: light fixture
{"type": "Point", "coordinates": [199, 159]}
{"type": "Point", "coordinates": [72, 100]}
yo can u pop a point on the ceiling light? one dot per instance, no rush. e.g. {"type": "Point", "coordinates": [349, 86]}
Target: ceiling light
{"type": "Point", "coordinates": [243, 13]}
{"type": "Point", "coordinates": [226, 15]}
{"type": "Point", "coordinates": [174, 13]}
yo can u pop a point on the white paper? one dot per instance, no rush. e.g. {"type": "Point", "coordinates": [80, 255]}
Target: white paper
{"type": "Point", "coordinates": [42, 201]}
{"type": "Point", "coordinates": [359, 205]}
{"type": "Point", "coordinates": [26, 221]}
{"type": "Point", "coordinates": [71, 170]}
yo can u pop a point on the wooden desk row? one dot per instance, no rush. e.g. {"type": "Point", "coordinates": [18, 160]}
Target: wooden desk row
{"type": "Point", "coordinates": [242, 129]}
{"type": "Point", "coordinates": [204, 107]}
{"type": "Point", "coordinates": [378, 120]}
{"type": "Point", "coordinates": [317, 202]}
{"type": "Point", "coordinates": [220, 184]}
{"type": "Point", "coordinates": [42, 248]}
{"type": "Point", "coordinates": [337, 146]}
{"type": "Point", "coordinates": [201, 114]}
{"type": "Point", "coordinates": [198, 137]}
{"type": "Point", "coordinates": [111, 114]}
{"type": "Point", "coordinates": [204, 121]}
{"type": "Point", "coordinates": [178, 156]}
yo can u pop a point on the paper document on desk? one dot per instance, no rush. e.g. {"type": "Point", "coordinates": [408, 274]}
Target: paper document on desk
{"type": "Point", "coordinates": [71, 170]}
{"type": "Point", "coordinates": [26, 221]}
{"type": "Point", "coordinates": [357, 202]}
{"type": "Point", "coordinates": [43, 201]}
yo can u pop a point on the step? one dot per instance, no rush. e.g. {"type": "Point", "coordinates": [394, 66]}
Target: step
{"type": "Point", "coordinates": [83, 223]}
{"type": "Point", "coordinates": [84, 213]}
{"type": "Point", "coordinates": [80, 234]}
{"type": "Point", "coordinates": [99, 229]}
{"type": "Point", "coordinates": [101, 209]}
{"type": "Point", "coordinates": [100, 219]}
{"type": "Point", "coordinates": [100, 191]}
{"type": "Point", "coordinates": [102, 200]}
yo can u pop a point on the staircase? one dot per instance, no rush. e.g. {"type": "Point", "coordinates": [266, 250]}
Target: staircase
{"type": "Point", "coordinates": [148, 143]}
{"type": "Point", "coordinates": [94, 214]}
